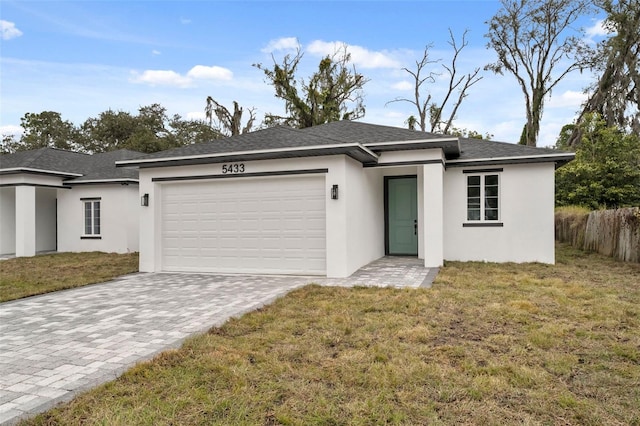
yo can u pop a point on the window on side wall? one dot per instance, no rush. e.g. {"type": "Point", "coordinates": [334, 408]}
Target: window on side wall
{"type": "Point", "coordinates": [483, 198]}
{"type": "Point", "coordinates": [91, 217]}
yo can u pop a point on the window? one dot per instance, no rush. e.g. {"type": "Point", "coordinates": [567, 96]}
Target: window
{"type": "Point", "coordinates": [92, 217]}
{"type": "Point", "coordinates": [483, 199]}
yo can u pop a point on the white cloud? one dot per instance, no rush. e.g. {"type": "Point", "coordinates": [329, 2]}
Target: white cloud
{"type": "Point", "coordinates": [11, 129]}
{"type": "Point", "coordinates": [9, 30]}
{"type": "Point", "coordinates": [283, 43]}
{"type": "Point", "coordinates": [210, 73]}
{"type": "Point", "coordinates": [185, 21]}
{"type": "Point", "coordinates": [155, 52]}
{"type": "Point", "coordinates": [172, 78]}
{"type": "Point", "coordinates": [568, 99]}
{"type": "Point", "coordinates": [597, 29]}
{"type": "Point", "coordinates": [359, 55]}
{"type": "Point", "coordinates": [196, 115]}
{"type": "Point", "coordinates": [161, 78]}
{"type": "Point", "coordinates": [402, 85]}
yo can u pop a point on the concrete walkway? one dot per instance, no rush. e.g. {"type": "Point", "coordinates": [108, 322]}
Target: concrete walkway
{"type": "Point", "coordinates": [59, 344]}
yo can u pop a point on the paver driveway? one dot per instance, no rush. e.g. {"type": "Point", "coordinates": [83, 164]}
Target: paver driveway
{"type": "Point", "coordinates": [53, 346]}
{"type": "Point", "coordinates": [56, 345]}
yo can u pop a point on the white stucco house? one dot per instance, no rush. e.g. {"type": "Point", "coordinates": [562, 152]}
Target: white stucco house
{"type": "Point", "coordinates": [56, 200]}
{"type": "Point", "coordinates": [329, 199]}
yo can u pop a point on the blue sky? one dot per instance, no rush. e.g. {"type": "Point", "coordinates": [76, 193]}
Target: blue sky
{"type": "Point", "coordinates": [80, 58]}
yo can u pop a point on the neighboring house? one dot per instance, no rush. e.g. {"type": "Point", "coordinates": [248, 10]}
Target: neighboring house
{"type": "Point", "coordinates": [56, 200]}
{"type": "Point", "coordinates": [329, 199]}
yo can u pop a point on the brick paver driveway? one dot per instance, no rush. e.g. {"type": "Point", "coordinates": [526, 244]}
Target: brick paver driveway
{"type": "Point", "coordinates": [56, 345]}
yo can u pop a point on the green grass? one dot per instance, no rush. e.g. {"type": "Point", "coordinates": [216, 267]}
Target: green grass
{"type": "Point", "coordinates": [487, 344]}
{"type": "Point", "coordinates": [28, 276]}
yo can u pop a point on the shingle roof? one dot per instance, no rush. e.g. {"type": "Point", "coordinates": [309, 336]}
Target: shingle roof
{"type": "Point", "coordinates": [53, 161]}
{"type": "Point", "coordinates": [277, 137]}
{"type": "Point", "coordinates": [365, 133]}
{"type": "Point", "coordinates": [286, 142]}
{"type": "Point", "coordinates": [480, 148]}
{"type": "Point", "coordinates": [49, 159]}
{"type": "Point", "coordinates": [103, 167]}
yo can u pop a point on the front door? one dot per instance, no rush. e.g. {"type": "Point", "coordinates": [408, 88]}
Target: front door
{"type": "Point", "coordinates": [401, 215]}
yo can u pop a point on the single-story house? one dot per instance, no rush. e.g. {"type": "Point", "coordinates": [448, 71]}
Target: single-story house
{"type": "Point", "coordinates": [56, 200]}
{"type": "Point", "coordinates": [329, 199]}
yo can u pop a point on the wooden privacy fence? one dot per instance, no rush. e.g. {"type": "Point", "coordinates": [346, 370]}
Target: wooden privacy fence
{"type": "Point", "coordinates": [613, 233]}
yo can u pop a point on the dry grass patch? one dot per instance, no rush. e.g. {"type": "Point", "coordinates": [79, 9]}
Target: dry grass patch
{"type": "Point", "coordinates": [488, 344]}
{"type": "Point", "coordinates": [28, 276]}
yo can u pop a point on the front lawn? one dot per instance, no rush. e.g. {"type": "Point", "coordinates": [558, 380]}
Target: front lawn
{"type": "Point", "coordinates": [28, 276]}
{"type": "Point", "coordinates": [487, 344]}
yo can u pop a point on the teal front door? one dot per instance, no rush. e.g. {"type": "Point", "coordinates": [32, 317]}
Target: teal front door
{"type": "Point", "coordinates": [401, 215]}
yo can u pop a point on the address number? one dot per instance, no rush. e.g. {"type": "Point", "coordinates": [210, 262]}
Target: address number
{"type": "Point", "coordinates": [232, 168]}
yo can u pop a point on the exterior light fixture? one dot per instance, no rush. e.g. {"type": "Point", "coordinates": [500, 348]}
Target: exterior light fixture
{"type": "Point", "coordinates": [144, 200]}
{"type": "Point", "coordinates": [334, 192]}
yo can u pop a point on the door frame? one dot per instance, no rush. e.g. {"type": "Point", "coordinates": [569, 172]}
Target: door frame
{"type": "Point", "coordinates": [386, 213]}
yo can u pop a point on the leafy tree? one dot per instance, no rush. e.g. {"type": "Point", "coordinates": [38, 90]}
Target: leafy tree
{"type": "Point", "coordinates": [151, 130]}
{"type": "Point", "coordinates": [228, 123]}
{"type": "Point", "coordinates": [47, 129]}
{"type": "Point", "coordinates": [332, 93]}
{"type": "Point", "coordinates": [108, 132]}
{"type": "Point", "coordinates": [9, 144]}
{"type": "Point", "coordinates": [616, 94]}
{"type": "Point", "coordinates": [437, 121]}
{"type": "Point", "coordinates": [187, 132]}
{"type": "Point", "coordinates": [606, 170]}
{"type": "Point", "coordinates": [536, 42]}
{"type": "Point", "coordinates": [469, 133]}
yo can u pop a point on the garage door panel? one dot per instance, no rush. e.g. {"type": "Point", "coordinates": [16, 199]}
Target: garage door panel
{"type": "Point", "coordinates": [266, 225]}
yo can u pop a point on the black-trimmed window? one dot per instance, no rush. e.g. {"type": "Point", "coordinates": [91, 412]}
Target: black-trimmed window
{"type": "Point", "coordinates": [91, 216]}
{"type": "Point", "coordinates": [483, 197]}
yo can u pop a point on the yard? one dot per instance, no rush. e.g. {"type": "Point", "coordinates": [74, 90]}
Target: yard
{"type": "Point", "coordinates": [487, 344]}
{"type": "Point", "coordinates": [28, 276]}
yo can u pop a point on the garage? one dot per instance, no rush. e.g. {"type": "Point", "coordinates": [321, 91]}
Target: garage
{"type": "Point", "coordinates": [266, 225]}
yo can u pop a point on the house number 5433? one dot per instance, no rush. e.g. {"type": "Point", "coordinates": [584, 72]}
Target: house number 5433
{"type": "Point", "coordinates": [232, 168]}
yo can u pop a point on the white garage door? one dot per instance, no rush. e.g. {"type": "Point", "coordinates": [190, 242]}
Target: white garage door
{"type": "Point", "coordinates": [248, 225]}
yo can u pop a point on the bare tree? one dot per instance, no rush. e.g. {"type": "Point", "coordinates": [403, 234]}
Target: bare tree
{"type": "Point", "coordinates": [533, 42]}
{"type": "Point", "coordinates": [422, 105]}
{"type": "Point", "coordinates": [228, 123]}
{"type": "Point", "coordinates": [457, 83]}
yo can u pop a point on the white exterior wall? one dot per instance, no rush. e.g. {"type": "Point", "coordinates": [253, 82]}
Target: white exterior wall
{"type": "Point", "coordinates": [25, 221]}
{"type": "Point", "coordinates": [364, 193]}
{"type": "Point", "coordinates": [410, 155]}
{"type": "Point", "coordinates": [7, 220]}
{"type": "Point", "coordinates": [28, 213]}
{"type": "Point", "coordinates": [45, 219]}
{"type": "Point", "coordinates": [354, 222]}
{"type": "Point", "coordinates": [433, 222]}
{"type": "Point", "coordinates": [526, 211]}
{"type": "Point", "coordinates": [119, 206]}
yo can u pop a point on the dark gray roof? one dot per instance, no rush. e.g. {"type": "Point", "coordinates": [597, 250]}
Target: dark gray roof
{"type": "Point", "coordinates": [484, 151]}
{"type": "Point", "coordinates": [352, 138]}
{"type": "Point", "coordinates": [60, 162]}
{"type": "Point", "coordinates": [103, 167]}
{"type": "Point", "coordinates": [365, 133]}
{"type": "Point", "coordinates": [278, 137]}
{"type": "Point", "coordinates": [49, 159]}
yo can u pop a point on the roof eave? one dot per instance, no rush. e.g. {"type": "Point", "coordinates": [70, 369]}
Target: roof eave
{"type": "Point", "coordinates": [558, 159]}
{"type": "Point", "coordinates": [450, 146]}
{"type": "Point", "coordinates": [32, 171]}
{"type": "Point", "coordinates": [355, 151]}
{"type": "Point", "coordinates": [94, 181]}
